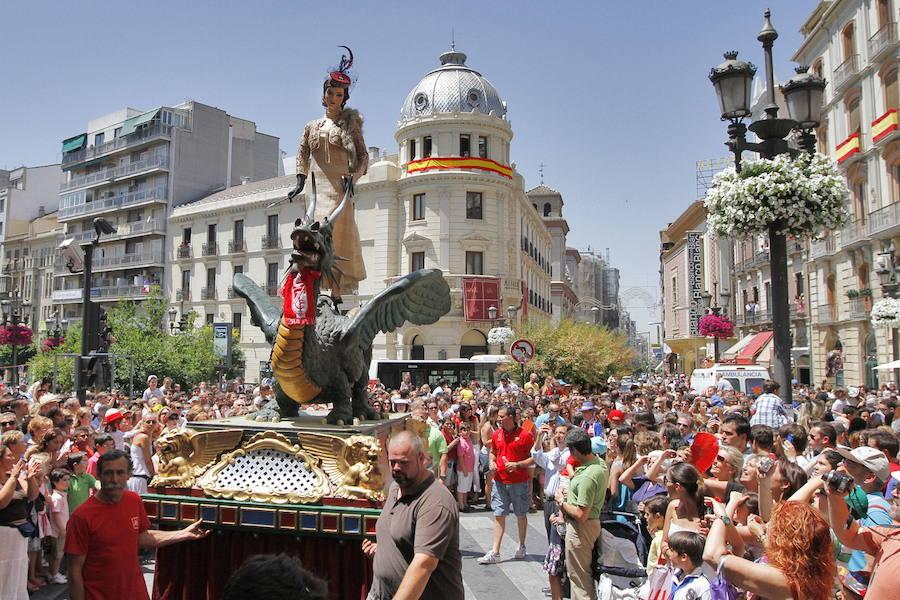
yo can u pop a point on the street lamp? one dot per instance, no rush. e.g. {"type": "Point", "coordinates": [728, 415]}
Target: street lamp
{"type": "Point", "coordinates": [12, 309]}
{"type": "Point", "coordinates": [172, 314]}
{"type": "Point", "coordinates": [886, 269]}
{"type": "Point", "coordinates": [803, 94]}
{"type": "Point", "coordinates": [511, 312]}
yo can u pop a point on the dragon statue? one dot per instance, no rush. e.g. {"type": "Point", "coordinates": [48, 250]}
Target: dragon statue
{"type": "Point", "coordinates": [318, 354]}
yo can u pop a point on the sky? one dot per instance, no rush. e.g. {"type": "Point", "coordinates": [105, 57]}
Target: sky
{"type": "Point", "coordinates": [612, 97]}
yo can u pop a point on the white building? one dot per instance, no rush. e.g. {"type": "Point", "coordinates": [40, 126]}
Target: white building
{"type": "Point", "coordinates": [854, 45]}
{"type": "Point", "coordinates": [132, 167]}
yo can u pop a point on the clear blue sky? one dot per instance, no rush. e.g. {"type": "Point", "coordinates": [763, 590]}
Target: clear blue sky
{"type": "Point", "coordinates": [612, 96]}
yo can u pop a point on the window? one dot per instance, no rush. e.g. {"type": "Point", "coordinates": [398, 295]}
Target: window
{"type": "Point", "coordinates": [210, 318]}
{"type": "Point", "coordinates": [186, 284]}
{"type": "Point", "coordinates": [211, 233]}
{"type": "Point", "coordinates": [186, 236]}
{"type": "Point", "coordinates": [131, 247]}
{"type": "Point", "coordinates": [853, 116]}
{"type": "Point", "coordinates": [798, 279]}
{"type": "Point", "coordinates": [675, 289]}
{"type": "Point", "coordinates": [426, 146]}
{"type": "Point", "coordinates": [272, 226]}
{"type": "Point", "coordinates": [236, 322]}
{"type": "Point", "coordinates": [849, 43]}
{"type": "Point", "coordinates": [238, 233]}
{"type": "Point", "coordinates": [895, 184]}
{"type": "Point", "coordinates": [474, 205]}
{"type": "Point", "coordinates": [1, 228]}
{"type": "Point", "coordinates": [117, 132]}
{"type": "Point", "coordinates": [418, 207]}
{"type": "Point", "coordinates": [465, 145]}
{"type": "Point", "coordinates": [884, 13]}
{"type": "Point", "coordinates": [98, 139]}
{"type": "Point", "coordinates": [547, 209]}
{"type": "Point", "coordinates": [2, 204]}
{"type": "Point", "coordinates": [474, 263]}
{"type": "Point", "coordinates": [859, 200]}
{"type": "Point", "coordinates": [416, 261]}
{"type": "Point", "coordinates": [891, 91]}
{"type": "Point", "coordinates": [211, 279]}
{"type": "Point", "coordinates": [412, 149]}
{"type": "Point", "coordinates": [817, 68]}
{"type": "Point", "coordinates": [271, 277]}
{"type": "Point", "coordinates": [482, 147]}
{"type": "Point", "coordinates": [238, 269]}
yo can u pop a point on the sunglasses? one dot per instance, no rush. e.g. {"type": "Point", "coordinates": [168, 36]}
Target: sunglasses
{"type": "Point", "coordinates": [8, 424]}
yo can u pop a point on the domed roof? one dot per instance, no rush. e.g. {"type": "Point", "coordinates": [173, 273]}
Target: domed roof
{"type": "Point", "coordinates": [453, 87]}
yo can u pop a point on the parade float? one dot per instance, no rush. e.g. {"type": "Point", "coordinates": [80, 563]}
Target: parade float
{"type": "Point", "coordinates": [286, 479]}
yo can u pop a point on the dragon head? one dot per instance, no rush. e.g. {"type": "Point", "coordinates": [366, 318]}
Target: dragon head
{"type": "Point", "coordinates": [312, 241]}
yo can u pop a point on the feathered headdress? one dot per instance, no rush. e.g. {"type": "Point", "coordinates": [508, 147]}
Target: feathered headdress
{"type": "Point", "coordinates": [342, 75]}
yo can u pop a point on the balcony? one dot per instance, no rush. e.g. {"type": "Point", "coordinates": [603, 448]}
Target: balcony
{"type": "Point", "coordinates": [755, 319]}
{"type": "Point", "coordinates": [128, 261]}
{"type": "Point", "coordinates": [130, 142]}
{"type": "Point", "coordinates": [825, 315]}
{"type": "Point", "coordinates": [231, 293]}
{"type": "Point", "coordinates": [797, 312]}
{"type": "Point", "coordinates": [115, 173]}
{"type": "Point", "coordinates": [859, 308]}
{"type": "Point", "coordinates": [885, 222]}
{"type": "Point", "coordinates": [845, 72]}
{"type": "Point", "coordinates": [886, 128]}
{"type": "Point", "coordinates": [156, 226]}
{"type": "Point", "coordinates": [210, 249]}
{"type": "Point", "coordinates": [759, 259]}
{"type": "Point", "coordinates": [183, 251]}
{"type": "Point", "coordinates": [208, 293]}
{"type": "Point", "coordinates": [272, 290]}
{"type": "Point", "coordinates": [882, 41]}
{"type": "Point", "coordinates": [183, 294]}
{"type": "Point", "coordinates": [157, 194]}
{"type": "Point", "coordinates": [823, 248]}
{"type": "Point", "coordinates": [236, 246]}
{"type": "Point", "coordinates": [113, 292]}
{"type": "Point", "coordinates": [270, 242]}
{"type": "Point", "coordinates": [855, 234]}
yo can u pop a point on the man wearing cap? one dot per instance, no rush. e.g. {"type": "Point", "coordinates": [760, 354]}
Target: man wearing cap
{"type": "Point", "coordinates": [616, 417]}
{"type": "Point", "coordinates": [590, 424]}
{"type": "Point", "coordinates": [550, 417]}
{"type": "Point", "coordinates": [506, 386]}
{"type": "Point", "coordinates": [869, 469]}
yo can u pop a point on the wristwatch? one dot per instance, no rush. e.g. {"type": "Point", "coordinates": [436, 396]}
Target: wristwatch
{"type": "Point", "coordinates": [726, 520]}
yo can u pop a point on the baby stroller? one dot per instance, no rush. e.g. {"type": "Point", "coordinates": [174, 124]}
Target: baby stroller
{"type": "Point", "coordinates": [621, 559]}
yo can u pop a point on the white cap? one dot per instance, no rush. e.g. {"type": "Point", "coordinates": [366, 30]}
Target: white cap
{"type": "Point", "coordinates": [872, 459]}
{"type": "Point", "coordinates": [853, 392]}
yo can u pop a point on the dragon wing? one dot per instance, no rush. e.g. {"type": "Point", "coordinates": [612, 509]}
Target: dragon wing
{"type": "Point", "coordinates": [264, 313]}
{"type": "Point", "coordinates": [208, 445]}
{"type": "Point", "coordinates": [329, 450]}
{"type": "Point", "coordinates": [421, 298]}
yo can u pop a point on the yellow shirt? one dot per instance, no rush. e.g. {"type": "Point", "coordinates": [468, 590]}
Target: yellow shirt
{"type": "Point", "coordinates": [653, 554]}
{"type": "Point", "coordinates": [466, 394]}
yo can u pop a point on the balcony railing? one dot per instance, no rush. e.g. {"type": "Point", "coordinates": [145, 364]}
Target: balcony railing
{"type": "Point", "coordinates": [125, 229]}
{"type": "Point", "coordinates": [883, 39]}
{"type": "Point", "coordinates": [884, 218]}
{"type": "Point", "coordinates": [231, 293]}
{"type": "Point", "coordinates": [128, 141]}
{"type": "Point", "coordinates": [820, 248]}
{"type": "Point", "coordinates": [272, 290]}
{"type": "Point", "coordinates": [210, 249]}
{"type": "Point", "coordinates": [236, 246]}
{"type": "Point", "coordinates": [826, 314]}
{"type": "Point", "coordinates": [797, 311]}
{"type": "Point", "coordinates": [104, 292]}
{"type": "Point", "coordinates": [859, 308]}
{"type": "Point", "coordinates": [153, 162]}
{"type": "Point", "coordinates": [759, 317]}
{"type": "Point", "coordinates": [853, 233]}
{"type": "Point", "coordinates": [157, 194]}
{"type": "Point", "coordinates": [208, 293]}
{"type": "Point", "coordinates": [129, 260]}
{"type": "Point", "coordinates": [760, 258]}
{"type": "Point", "coordinates": [183, 295]}
{"type": "Point", "coordinates": [270, 242]}
{"type": "Point", "coordinates": [845, 71]}
{"type": "Point", "coordinates": [183, 251]}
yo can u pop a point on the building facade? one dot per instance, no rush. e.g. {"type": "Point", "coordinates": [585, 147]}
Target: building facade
{"type": "Point", "coordinates": [854, 45]}
{"type": "Point", "coordinates": [548, 202]}
{"type": "Point", "coordinates": [132, 168]}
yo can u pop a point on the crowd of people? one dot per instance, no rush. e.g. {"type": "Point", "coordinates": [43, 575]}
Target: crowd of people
{"type": "Point", "coordinates": [729, 490]}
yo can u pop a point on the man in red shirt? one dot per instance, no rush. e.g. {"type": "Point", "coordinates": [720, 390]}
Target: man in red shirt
{"type": "Point", "coordinates": [510, 459]}
{"type": "Point", "coordinates": [104, 533]}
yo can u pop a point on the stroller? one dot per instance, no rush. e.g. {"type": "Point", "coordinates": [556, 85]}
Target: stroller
{"type": "Point", "coordinates": [621, 558]}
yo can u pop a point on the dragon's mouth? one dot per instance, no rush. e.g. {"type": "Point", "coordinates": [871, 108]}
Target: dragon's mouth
{"type": "Point", "coordinates": [307, 252]}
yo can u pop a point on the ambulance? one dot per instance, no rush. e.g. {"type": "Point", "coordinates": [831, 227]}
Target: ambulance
{"type": "Point", "coordinates": [743, 378]}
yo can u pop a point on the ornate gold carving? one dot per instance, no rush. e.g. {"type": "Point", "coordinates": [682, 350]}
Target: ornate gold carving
{"type": "Point", "coordinates": [351, 464]}
{"type": "Point", "coordinates": [268, 491]}
{"type": "Point", "coordinates": [185, 454]}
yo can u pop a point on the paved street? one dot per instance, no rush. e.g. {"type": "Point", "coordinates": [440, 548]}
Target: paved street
{"type": "Point", "coordinates": [509, 580]}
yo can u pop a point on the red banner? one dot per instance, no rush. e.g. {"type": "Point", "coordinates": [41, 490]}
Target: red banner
{"type": "Point", "coordinates": [479, 294]}
{"type": "Point", "coordinates": [299, 298]}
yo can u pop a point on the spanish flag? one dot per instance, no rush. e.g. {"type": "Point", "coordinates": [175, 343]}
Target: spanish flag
{"type": "Point", "coordinates": [884, 125]}
{"type": "Point", "coordinates": [458, 162]}
{"type": "Point", "coordinates": [848, 148]}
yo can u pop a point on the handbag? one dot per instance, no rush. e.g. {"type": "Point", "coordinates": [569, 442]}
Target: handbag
{"type": "Point", "coordinates": [719, 589]}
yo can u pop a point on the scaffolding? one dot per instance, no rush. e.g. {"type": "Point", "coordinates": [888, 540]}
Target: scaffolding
{"type": "Point", "coordinates": [707, 169]}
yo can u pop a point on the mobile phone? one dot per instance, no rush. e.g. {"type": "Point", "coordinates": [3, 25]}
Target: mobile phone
{"type": "Point", "coordinates": [708, 503]}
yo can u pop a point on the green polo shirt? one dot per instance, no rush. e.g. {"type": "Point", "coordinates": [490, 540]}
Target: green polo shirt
{"type": "Point", "coordinates": [80, 487]}
{"type": "Point", "coordinates": [437, 445]}
{"type": "Point", "coordinates": [588, 486]}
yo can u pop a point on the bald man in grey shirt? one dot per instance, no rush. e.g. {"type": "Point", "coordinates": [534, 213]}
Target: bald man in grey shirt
{"type": "Point", "coordinates": [416, 553]}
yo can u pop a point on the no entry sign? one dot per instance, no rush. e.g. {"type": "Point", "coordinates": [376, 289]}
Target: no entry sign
{"type": "Point", "coordinates": [522, 351]}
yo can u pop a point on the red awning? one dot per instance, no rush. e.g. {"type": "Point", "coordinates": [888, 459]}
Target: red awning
{"type": "Point", "coordinates": [748, 354]}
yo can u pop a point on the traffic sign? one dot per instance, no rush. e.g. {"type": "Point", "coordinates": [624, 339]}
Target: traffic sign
{"type": "Point", "coordinates": [522, 350]}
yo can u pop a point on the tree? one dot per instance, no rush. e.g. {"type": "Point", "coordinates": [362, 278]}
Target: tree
{"type": "Point", "coordinates": [579, 353]}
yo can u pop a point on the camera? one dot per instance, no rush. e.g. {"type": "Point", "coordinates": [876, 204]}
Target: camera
{"type": "Point", "coordinates": [839, 482]}
{"type": "Point", "coordinates": [764, 465]}
{"type": "Point", "coordinates": [73, 255]}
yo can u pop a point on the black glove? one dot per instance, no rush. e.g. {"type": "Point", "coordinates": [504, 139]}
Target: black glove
{"type": "Point", "coordinates": [347, 184]}
{"type": "Point", "coordinates": [301, 181]}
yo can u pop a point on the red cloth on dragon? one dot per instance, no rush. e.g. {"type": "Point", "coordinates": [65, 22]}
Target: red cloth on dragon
{"type": "Point", "coordinates": [299, 297]}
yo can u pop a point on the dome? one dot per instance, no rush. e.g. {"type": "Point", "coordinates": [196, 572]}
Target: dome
{"type": "Point", "coordinates": [453, 87]}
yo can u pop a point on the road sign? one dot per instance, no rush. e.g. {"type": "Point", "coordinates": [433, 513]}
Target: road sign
{"type": "Point", "coordinates": [521, 350]}
{"type": "Point", "coordinates": [222, 343]}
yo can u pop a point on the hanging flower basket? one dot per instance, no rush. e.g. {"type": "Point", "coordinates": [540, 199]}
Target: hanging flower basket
{"type": "Point", "coordinates": [15, 335]}
{"type": "Point", "coordinates": [716, 326]}
{"type": "Point", "coordinates": [807, 194]}
{"type": "Point", "coordinates": [500, 336]}
{"type": "Point", "coordinates": [886, 312]}
{"type": "Point", "coordinates": [52, 342]}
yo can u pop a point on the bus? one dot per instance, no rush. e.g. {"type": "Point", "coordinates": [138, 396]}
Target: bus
{"type": "Point", "coordinates": [482, 368]}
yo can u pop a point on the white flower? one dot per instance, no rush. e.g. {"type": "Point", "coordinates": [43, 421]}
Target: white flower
{"type": "Point", "coordinates": [500, 335]}
{"type": "Point", "coordinates": [886, 312]}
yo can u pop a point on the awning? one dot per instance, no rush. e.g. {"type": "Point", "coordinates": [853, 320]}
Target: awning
{"type": "Point", "coordinates": [682, 346]}
{"type": "Point", "coordinates": [131, 125]}
{"type": "Point", "coordinates": [889, 366]}
{"type": "Point", "coordinates": [74, 143]}
{"type": "Point", "coordinates": [755, 348]}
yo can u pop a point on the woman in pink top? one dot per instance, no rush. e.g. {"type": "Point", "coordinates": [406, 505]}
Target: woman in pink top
{"type": "Point", "coordinates": [465, 465]}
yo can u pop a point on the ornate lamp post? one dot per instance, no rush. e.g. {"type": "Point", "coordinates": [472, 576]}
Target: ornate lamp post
{"type": "Point", "coordinates": [498, 324]}
{"type": "Point", "coordinates": [888, 272]}
{"type": "Point", "coordinates": [13, 316]}
{"type": "Point", "coordinates": [172, 325]}
{"type": "Point", "coordinates": [803, 93]}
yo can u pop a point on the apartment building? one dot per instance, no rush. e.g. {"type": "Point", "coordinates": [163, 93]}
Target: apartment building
{"type": "Point", "coordinates": [549, 203]}
{"type": "Point", "coordinates": [132, 168]}
{"type": "Point", "coordinates": [854, 45]}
